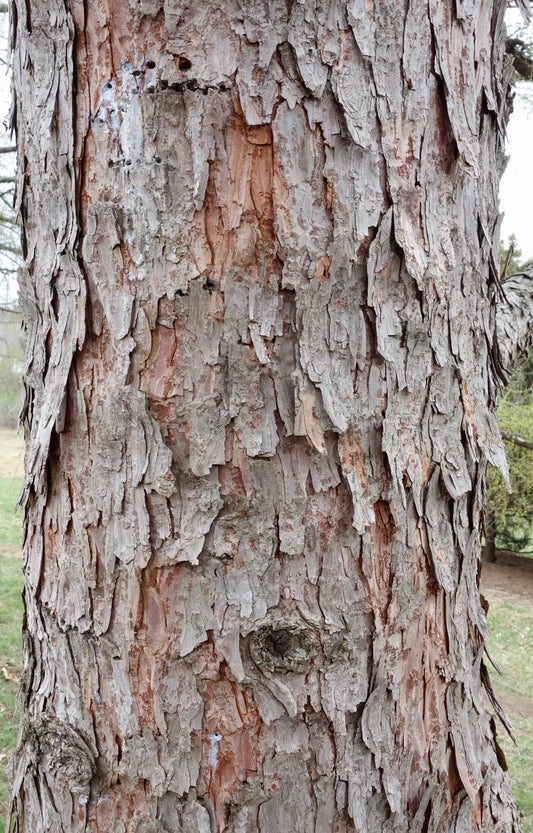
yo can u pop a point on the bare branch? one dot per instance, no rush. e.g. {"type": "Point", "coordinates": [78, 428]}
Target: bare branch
{"type": "Point", "coordinates": [513, 438]}
{"type": "Point", "coordinates": [9, 248]}
{"type": "Point", "coordinates": [524, 6]}
{"type": "Point", "coordinates": [7, 219]}
{"type": "Point", "coordinates": [10, 149]}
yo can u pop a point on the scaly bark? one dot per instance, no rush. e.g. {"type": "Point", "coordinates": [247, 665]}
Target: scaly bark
{"type": "Point", "coordinates": [514, 321]}
{"type": "Point", "coordinates": [260, 299]}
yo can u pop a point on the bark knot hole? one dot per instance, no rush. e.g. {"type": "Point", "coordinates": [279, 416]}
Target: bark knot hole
{"type": "Point", "coordinates": [184, 64]}
{"type": "Point", "coordinates": [282, 649]}
{"type": "Point", "coordinates": [61, 751]}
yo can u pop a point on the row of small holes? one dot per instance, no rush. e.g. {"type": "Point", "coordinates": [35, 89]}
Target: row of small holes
{"type": "Point", "coordinates": [183, 63]}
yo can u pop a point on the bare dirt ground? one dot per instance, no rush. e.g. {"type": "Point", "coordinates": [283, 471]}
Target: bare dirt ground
{"type": "Point", "coordinates": [509, 580]}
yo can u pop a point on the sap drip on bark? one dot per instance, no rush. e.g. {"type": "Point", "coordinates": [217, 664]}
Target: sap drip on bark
{"type": "Point", "coordinates": [282, 649]}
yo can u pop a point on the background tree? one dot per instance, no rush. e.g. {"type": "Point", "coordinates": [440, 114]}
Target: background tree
{"type": "Point", "coordinates": [11, 341]}
{"type": "Point", "coordinates": [512, 262]}
{"type": "Point", "coordinates": [509, 510]}
{"type": "Point", "coordinates": [10, 253]}
{"type": "Point", "coordinates": [519, 45]}
{"type": "Point", "coordinates": [260, 291]}
{"type": "Point", "coordinates": [508, 505]}
{"type": "Point", "coordinates": [11, 366]}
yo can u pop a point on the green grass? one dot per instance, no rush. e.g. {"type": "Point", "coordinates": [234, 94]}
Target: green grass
{"type": "Point", "coordinates": [520, 763]}
{"type": "Point", "coordinates": [511, 645]}
{"type": "Point", "coordinates": [11, 467]}
{"type": "Point", "coordinates": [10, 664]}
{"type": "Point", "coordinates": [511, 634]}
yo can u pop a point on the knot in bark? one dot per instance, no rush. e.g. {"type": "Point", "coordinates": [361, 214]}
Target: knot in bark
{"type": "Point", "coordinates": [282, 649]}
{"type": "Point", "coordinates": [64, 754]}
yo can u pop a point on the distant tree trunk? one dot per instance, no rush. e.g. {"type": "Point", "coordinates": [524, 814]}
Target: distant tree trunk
{"type": "Point", "coordinates": [490, 537]}
{"type": "Point", "coordinates": [260, 296]}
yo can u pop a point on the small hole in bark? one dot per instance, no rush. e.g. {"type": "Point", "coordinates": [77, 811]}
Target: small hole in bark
{"type": "Point", "coordinates": [136, 72]}
{"type": "Point", "coordinates": [108, 86]}
{"type": "Point", "coordinates": [128, 162]}
{"type": "Point", "coordinates": [157, 159]}
{"type": "Point", "coordinates": [150, 64]}
{"type": "Point", "coordinates": [184, 64]}
{"type": "Point", "coordinates": [110, 163]}
{"type": "Point", "coordinates": [209, 285]}
{"type": "Point", "coordinates": [222, 88]}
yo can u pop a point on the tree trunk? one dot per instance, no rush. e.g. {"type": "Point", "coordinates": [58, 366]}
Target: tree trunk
{"type": "Point", "coordinates": [260, 298]}
{"type": "Point", "coordinates": [490, 537]}
{"type": "Point", "coordinates": [514, 331]}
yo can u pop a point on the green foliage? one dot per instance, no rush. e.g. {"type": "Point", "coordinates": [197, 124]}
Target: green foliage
{"type": "Point", "coordinates": [508, 514]}
{"type": "Point", "coordinates": [511, 257]}
{"type": "Point", "coordinates": [519, 45]}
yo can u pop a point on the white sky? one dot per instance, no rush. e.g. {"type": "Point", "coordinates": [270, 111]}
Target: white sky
{"type": "Point", "coordinates": [516, 189]}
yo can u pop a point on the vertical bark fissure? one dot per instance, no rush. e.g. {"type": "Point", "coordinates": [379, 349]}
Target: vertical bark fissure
{"type": "Point", "coordinates": [251, 576]}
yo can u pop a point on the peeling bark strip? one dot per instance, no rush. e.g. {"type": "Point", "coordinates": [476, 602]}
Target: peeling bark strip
{"type": "Point", "coordinates": [259, 244]}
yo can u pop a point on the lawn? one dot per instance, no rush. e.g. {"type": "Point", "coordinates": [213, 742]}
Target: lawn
{"type": "Point", "coordinates": [511, 646]}
{"type": "Point", "coordinates": [10, 663]}
{"type": "Point", "coordinates": [11, 468]}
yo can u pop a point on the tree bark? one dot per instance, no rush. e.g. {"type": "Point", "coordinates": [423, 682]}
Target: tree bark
{"type": "Point", "coordinates": [260, 293]}
{"type": "Point", "coordinates": [513, 322]}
